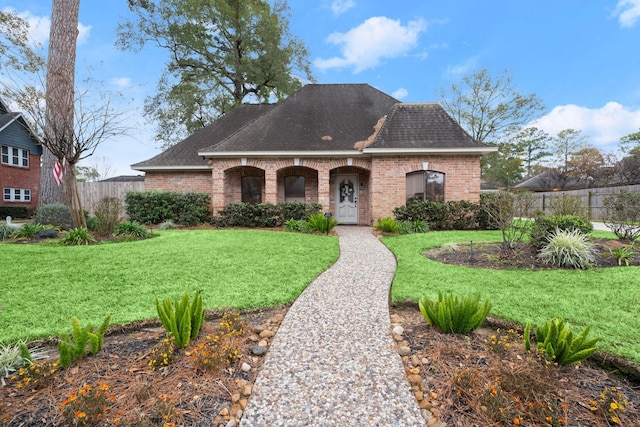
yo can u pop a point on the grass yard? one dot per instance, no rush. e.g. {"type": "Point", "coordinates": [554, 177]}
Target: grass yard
{"type": "Point", "coordinates": [607, 300]}
{"type": "Point", "coordinates": [43, 285]}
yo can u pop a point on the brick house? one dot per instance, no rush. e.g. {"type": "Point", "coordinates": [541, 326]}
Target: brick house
{"type": "Point", "coordinates": [353, 149]}
{"type": "Point", "coordinates": [20, 163]}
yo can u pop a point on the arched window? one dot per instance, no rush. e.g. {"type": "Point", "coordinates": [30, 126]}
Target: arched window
{"type": "Point", "coordinates": [294, 188]}
{"type": "Point", "coordinates": [251, 189]}
{"type": "Point", "coordinates": [425, 185]}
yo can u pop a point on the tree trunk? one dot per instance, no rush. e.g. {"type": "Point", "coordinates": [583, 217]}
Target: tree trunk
{"type": "Point", "coordinates": [49, 190]}
{"type": "Point", "coordinates": [60, 93]}
{"type": "Point", "coordinates": [71, 193]}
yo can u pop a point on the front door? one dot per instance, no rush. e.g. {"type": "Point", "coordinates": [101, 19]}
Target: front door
{"type": "Point", "coordinates": [347, 199]}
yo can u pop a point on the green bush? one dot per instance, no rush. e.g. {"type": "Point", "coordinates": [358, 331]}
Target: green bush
{"type": "Point", "coordinates": [7, 231]}
{"type": "Point", "coordinates": [131, 229]}
{"type": "Point", "coordinates": [108, 212]}
{"type": "Point", "coordinates": [483, 218]}
{"type": "Point", "coordinates": [543, 227]}
{"type": "Point", "coordinates": [568, 248]}
{"type": "Point", "coordinates": [621, 214]}
{"type": "Point", "coordinates": [28, 231]}
{"type": "Point", "coordinates": [73, 348]}
{"type": "Point", "coordinates": [321, 223]}
{"type": "Point", "coordinates": [453, 315]}
{"type": "Point", "coordinates": [184, 319]}
{"type": "Point", "coordinates": [298, 225]}
{"type": "Point", "coordinates": [55, 214]}
{"type": "Point", "coordinates": [387, 225]}
{"type": "Point", "coordinates": [568, 205]}
{"type": "Point", "coordinates": [263, 214]}
{"type": "Point", "coordinates": [15, 212]}
{"type": "Point", "coordinates": [296, 210]}
{"type": "Point", "coordinates": [556, 341]}
{"type": "Point", "coordinates": [92, 222]}
{"type": "Point", "coordinates": [453, 215]}
{"type": "Point", "coordinates": [154, 207]}
{"type": "Point", "coordinates": [78, 236]}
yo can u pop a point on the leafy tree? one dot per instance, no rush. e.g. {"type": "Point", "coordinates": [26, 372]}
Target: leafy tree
{"type": "Point", "coordinates": [15, 51]}
{"type": "Point", "coordinates": [222, 53]}
{"type": "Point", "coordinates": [630, 142]}
{"type": "Point", "coordinates": [532, 145]}
{"type": "Point", "coordinates": [503, 168]}
{"type": "Point", "coordinates": [489, 107]}
{"type": "Point", "coordinates": [586, 165]}
{"type": "Point", "coordinates": [566, 142]}
{"type": "Point", "coordinates": [628, 169]}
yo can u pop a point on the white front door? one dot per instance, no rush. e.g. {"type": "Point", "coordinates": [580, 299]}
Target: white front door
{"type": "Point", "coordinates": [347, 199]}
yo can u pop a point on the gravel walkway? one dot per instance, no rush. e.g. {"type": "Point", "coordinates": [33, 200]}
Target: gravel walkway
{"type": "Point", "coordinates": [333, 361]}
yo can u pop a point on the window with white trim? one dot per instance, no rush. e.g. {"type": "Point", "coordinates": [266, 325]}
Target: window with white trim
{"type": "Point", "coordinates": [17, 195]}
{"type": "Point", "coordinates": [13, 156]}
{"type": "Point", "coordinates": [425, 185]}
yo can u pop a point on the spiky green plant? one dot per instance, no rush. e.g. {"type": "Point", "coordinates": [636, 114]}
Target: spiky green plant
{"type": "Point", "coordinates": [71, 348]}
{"type": "Point", "coordinates": [131, 229]}
{"type": "Point", "coordinates": [6, 231]}
{"type": "Point", "coordinates": [16, 356]}
{"type": "Point", "coordinates": [558, 343]}
{"type": "Point", "coordinates": [78, 236]}
{"type": "Point", "coordinates": [623, 254]}
{"type": "Point", "coordinates": [387, 225]}
{"type": "Point", "coordinates": [451, 314]}
{"type": "Point", "coordinates": [321, 223]}
{"type": "Point", "coordinates": [568, 248]}
{"type": "Point", "coordinates": [184, 319]}
{"type": "Point", "coordinates": [28, 231]}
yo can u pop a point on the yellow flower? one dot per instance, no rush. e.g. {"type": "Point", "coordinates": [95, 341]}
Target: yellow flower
{"type": "Point", "coordinates": [613, 406]}
{"type": "Point", "coordinates": [80, 414]}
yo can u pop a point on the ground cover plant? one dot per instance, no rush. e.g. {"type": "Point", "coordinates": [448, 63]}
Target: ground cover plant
{"type": "Point", "coordinates": [233, 268]}
{"type": "Point", "coordinates": [606, 299]}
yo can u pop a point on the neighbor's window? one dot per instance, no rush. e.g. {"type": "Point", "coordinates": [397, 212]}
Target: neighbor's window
{"type": "Point", "coordinates": [251, 189]}
{"type": "Point", "coordinates": [425, 185]}
{"type": "Point", "coordinates": [294, 188]}
{"type": "Point", "coordinates": [15, 156]}
{"type": "Point", "coordinates": [17, 195]}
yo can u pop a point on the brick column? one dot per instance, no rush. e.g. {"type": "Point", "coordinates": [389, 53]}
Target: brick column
{"type": "Point", "coordinates": [217, 188]}
{"type": "Point", "coordinates": [323, 188]}
{"type": "Point", "coordinates": [270, 184]}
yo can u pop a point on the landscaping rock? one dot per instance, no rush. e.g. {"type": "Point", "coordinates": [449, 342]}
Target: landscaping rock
{"type": "Point", "coordinates": [45, 234]}
{"type": "Point", "coordinates": [258, 350]}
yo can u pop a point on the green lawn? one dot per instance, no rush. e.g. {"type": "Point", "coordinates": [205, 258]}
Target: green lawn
{"type": "Point", "coordinates": [42, 286]}
{"type": "Point", "coordinates": [607, 300]}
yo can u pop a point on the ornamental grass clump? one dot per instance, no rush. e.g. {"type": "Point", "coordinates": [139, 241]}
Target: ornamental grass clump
{"type": "Point", "coordinates": [558, 343]}
{"type": "Point", "coordinates": [74, 347]}
{"type": "Point", "coordinates": [568, 248]}
{"type": "Point", "coordinates": [78, 236]}
{"type": "Point", "coordinates": [131, 230]}
{"type": "Point", "coordinates": [13, 357]}
{"type": "Point", "coordinates": [184, 319]}
{"type": "Point", "coordinates": [451, 314]}
{"type": "Point", "coordinates": [387, 225]}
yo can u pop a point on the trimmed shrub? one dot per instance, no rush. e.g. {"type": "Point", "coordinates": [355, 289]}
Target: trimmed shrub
{"type": "Point", "coordinates": [568, 248]}
{"type": "Point", "coordinates": [453, 215]}
{"type": "Point", "coordinates": [108, 212]}
{"type": "Point", "coordinates": [296, 210]}
{"type": "Point", "coordinates": [154, 207]}
{"type": "Point", "coordinates": [15, 212]}
{"type": "Point", "coordinates": [543, 227]}
{"type": "Point", "coordinates": [453, 315]}
{"type": "Point", "coordinates": [55, 214]}
{"type": "Point", "coordinates": [264, 214]}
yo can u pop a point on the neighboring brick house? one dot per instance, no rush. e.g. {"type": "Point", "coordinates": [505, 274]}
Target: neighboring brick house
{"type": "Point", "coordinates": [20, 163]}
{"type": "Point", "coordinates": [353, 149]}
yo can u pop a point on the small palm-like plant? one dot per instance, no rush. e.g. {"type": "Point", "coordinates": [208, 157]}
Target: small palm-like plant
{"type": "Point", "coordinates": [556, 340]}
{"type": "Point", "coordinates": [568, 248]}
{"type": "Point", "coordinates": [321, 223]}
{"type": "Point", "coordinates": [623, 254]}
{"type": "Point", "coordinates": [451, 314]}
{"type": "Point", "coordinates": [387, 225]}
{"type": "Point", "coordinates": [78, 236]}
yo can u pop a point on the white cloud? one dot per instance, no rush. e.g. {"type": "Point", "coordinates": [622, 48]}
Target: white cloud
{"type": "Point", "coordinates": [376, 38]}
{"type": "Point", "coordinates": [603, 126]}
{"type": "Point", "coordinates": [40, 26]}
{"type": "Point", "coordinates": [628, 12]}
{"type": "Point", "coordinates": [456, 71]}
{"type": "Point", "coordinates": [400, 93]}
{"type": "Point", "coordinates": [341, 6]}
{"type": "Point", "coordinates": [121, 82]}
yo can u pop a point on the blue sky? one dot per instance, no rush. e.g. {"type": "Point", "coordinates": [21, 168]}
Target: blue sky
{"type": "Point", "coordinates": [582, 58]}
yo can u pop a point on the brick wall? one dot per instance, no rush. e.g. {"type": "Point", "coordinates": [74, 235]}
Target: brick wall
{"type": "Point", "coordinates": [388, 182]}
{"type": "Point", "coordinates": [382, 180]}
{"type": "Point", "coordinates": [18, 177]}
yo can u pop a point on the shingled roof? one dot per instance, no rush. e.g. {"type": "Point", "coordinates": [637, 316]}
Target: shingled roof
{"type": "Point", "coordinates": [322, 119]}
{"type": "Point", "coordinates": [184, 155]}
{"type": "Point", "coordinates": [316, 118]}
{"type": "Point", "coordinates": [421, 126]}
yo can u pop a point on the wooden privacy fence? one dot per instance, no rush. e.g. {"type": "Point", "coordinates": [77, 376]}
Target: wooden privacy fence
{"type": "Point", "coordinates": [592, 198]}
{"type": "Point", "coordinates": [92, 192]}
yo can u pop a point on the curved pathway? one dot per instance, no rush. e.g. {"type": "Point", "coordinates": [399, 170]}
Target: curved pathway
{"type": "Point", "coordinates": [333, 361]}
